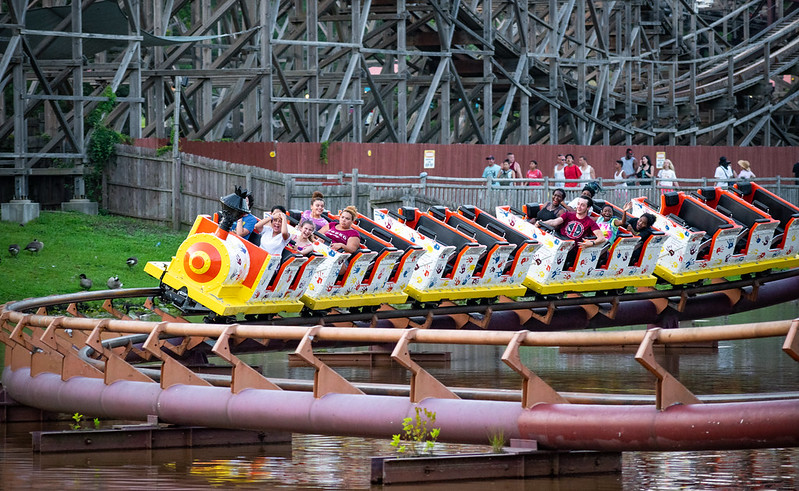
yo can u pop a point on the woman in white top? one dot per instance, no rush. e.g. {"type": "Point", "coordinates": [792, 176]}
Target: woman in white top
{"type": "Point", "coordinates": [667, 177]}
{"type": "Point", "coordinates": [746, 171]}
{"type": "Point", "coordinates": [274, 240]}
{"type": "Point", "coordinates": [558, 173]}
{"type": "Point", "coordinates": [587, 170]}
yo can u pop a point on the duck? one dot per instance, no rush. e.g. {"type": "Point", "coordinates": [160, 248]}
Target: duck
{"type": "Point", "coordinates": [132, 261]}
{"type": "Point", "coordinates": [114, 283]}
{"type": "Point", "coordinates": [13, 249]}
{"type": "Point", "coordinates": [85, 282]}
{"type": "Point", "coordinates": [35, 246]}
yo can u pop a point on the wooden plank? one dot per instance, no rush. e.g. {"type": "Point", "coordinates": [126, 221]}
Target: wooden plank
{"type": "Point", "coordinates": [149, 437]}
{"type": "Point", "coordinates": [516, 464]}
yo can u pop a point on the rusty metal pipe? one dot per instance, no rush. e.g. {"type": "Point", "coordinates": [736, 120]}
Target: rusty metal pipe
{"type": "Point", "coordinates": [567, 426]}
{"type": "Point", "coordinates": [690, 427]}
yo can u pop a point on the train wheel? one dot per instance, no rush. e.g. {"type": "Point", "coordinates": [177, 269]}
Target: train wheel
{"type": "Point", "coordinates": [214, 318]}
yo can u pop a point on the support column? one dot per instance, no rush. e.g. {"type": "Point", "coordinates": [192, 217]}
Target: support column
{"type": "Point", "coordinates": [402, 69]}
{"type": "Point", "coordinates": [20, 210]}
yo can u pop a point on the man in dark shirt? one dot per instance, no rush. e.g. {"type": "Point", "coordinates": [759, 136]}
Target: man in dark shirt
{"type": "Point", "coordinates": [796, 172]}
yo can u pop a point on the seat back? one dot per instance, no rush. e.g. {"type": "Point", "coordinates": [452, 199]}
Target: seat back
{"type": "Point", "coordinates": [427, 225]}
{"type": "Point", "coordinates": [777, 208]}
{"type": "Point", "coordinates": [739, 212]}
{"type": "Point", "coordinates": [531, 209]}
{"type": "Point", "coordinates": [701, 217]}
{"type": "Point", "coordinates": [468, 227]}
{"type": "Point", "coordinates": [493, 225]}
{"type": "Point", "coordinates": [382, 233]}
{"type": "Point", "coordinates": [671, 199]}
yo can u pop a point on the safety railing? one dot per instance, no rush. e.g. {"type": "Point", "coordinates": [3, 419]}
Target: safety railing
{"type": "Point", "coordinates": [57, 344]}
{"type": "Point", "coordinates": [424, 190]}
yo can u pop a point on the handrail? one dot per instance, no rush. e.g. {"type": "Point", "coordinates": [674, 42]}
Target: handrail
{"type": "Point", "coordinates": [431, 336]}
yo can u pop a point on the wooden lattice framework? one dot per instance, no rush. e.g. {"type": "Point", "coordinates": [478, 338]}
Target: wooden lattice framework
{"type": "Point", "coordinates": [434, 71]}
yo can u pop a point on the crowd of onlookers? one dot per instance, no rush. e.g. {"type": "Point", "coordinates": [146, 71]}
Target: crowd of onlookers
{"type": "Point", "coordinates": [628, 170]}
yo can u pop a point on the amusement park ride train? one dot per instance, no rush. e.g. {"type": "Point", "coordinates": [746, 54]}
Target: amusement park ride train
{"type": "Point", "coordinates": [444, 255]}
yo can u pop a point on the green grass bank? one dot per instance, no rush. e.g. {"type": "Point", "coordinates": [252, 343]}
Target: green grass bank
{"type": "Point", "coordinates": [74, 243]}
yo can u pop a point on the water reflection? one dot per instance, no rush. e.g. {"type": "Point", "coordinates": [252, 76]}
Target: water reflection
{"type": "Point", "coordinates": [326, 462]}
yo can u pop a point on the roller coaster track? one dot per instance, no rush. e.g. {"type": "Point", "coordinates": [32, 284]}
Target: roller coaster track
{"type": "Point", "coordinates": [549, 313]}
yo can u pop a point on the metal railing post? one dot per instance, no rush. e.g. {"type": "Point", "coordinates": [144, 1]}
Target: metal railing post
{"type": "Point", "coordinates": [288, 188]}
{"type": "Point", "coordinates": [354, 184]}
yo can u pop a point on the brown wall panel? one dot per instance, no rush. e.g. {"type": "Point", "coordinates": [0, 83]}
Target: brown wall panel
{"type": "Point", "coordinates": [469, 160]}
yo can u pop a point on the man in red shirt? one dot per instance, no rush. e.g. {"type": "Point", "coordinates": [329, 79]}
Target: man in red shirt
{"type": "Point", "coordinates": [576, 224]}
{"type": "Point", "coordinates": [572, 171]}
{"type": "Point", "coordinates": [534, 173]}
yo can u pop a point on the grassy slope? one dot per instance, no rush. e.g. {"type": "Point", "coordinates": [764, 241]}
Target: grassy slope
{"type": "Point", "coordinates": [97, 246]}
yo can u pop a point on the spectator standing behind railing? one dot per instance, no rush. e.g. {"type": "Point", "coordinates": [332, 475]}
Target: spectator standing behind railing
{"type": "Point", "coordinates": [491, 171]}
{"type": "Point", "coordinates": [534, 173]}
{"type": "Point", "coordinates": [515, 166]}
{"type": "Point", "coordinates": [746, 171]}
{"type": "Point", "coordinates": [587, 171]}
{"type": "Point", "coordinates": [621, 181]}
{"type": "Point", "coordinates": [724, 175]}
{"type": "Point", "coordinates": [557, 173]}
{"type": "Point", "coordinates": [628, 165]}
{"type": "Point", "coordinates": [645, 171]}
{"type": "Point", "coordinates": [796, 173]}
{"type": "Point", "coordinates": [667, 177]}
{"type": "Point", "coordinates": [505, 173]}
{"type": "Point", "coordinates": [571, 171]}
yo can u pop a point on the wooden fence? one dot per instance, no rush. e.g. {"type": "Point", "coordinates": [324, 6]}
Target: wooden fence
{"type": "Point", "coordinates": [143, 184]}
